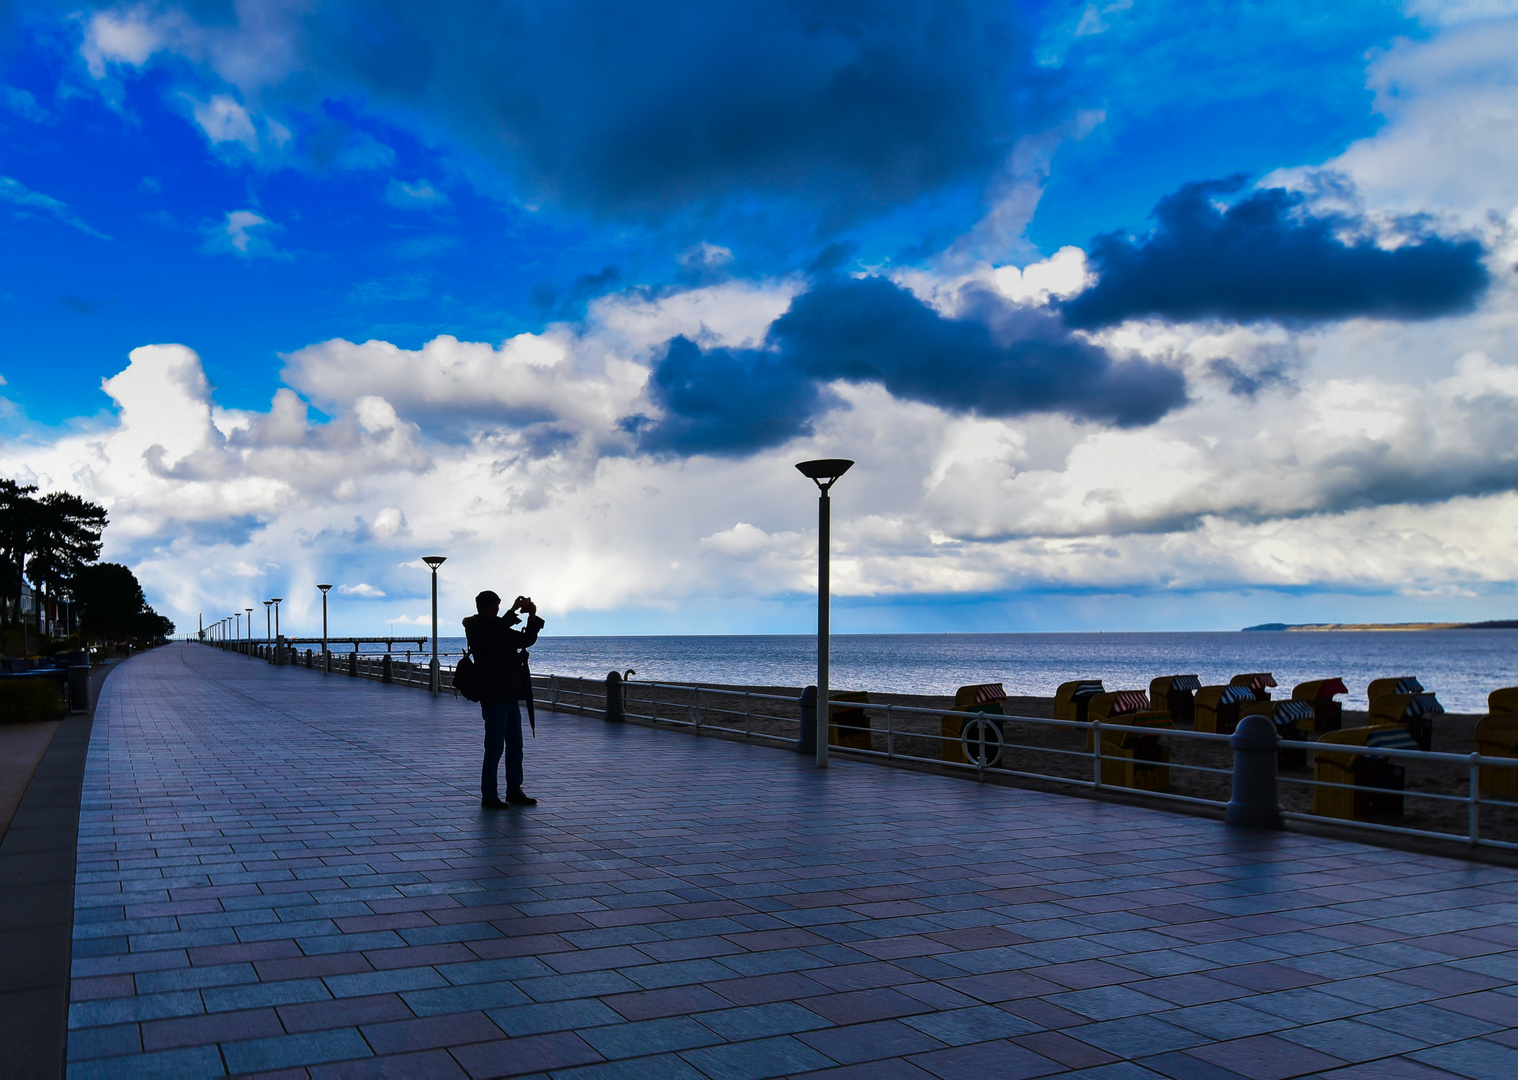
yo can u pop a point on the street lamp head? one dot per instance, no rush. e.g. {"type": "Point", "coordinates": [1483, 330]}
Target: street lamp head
{"type": "Point", "coordinates": [824, 472]}
{"type": "Point", "coordinates": [324, 588]}
{"type": "Point", "coordinates": [277, 599]}
{"type": "Point", "coordinates": [268, 602]}
{"type": "Point", "coordinates": [434, 561]}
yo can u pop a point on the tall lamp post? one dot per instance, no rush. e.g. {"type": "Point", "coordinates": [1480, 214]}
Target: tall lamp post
{"type": "Point", "coordinates": [279, 652]}
{"type": "Point", "coordinates": [824, 472]}
{"type": "Point", "coordinates": [249, 651]}
{"type": "Point", "coordinates": [238, 616]}
{"type": "Point", "coordinates": [326, 664]}
{"type": "Point", "coordinates": [435, 561]}
{"type": "Point", "coordinates": [268, 633]}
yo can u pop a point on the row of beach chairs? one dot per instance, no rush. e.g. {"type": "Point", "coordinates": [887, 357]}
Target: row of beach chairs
{"type": "Point", "coordinates": [1401, 716]}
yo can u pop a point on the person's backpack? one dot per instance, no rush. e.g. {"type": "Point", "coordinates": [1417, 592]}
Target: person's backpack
{"type": "Point", "coordinates": [466, 678]}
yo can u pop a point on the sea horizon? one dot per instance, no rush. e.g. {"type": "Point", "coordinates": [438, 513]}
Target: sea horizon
{"type": "Point", "coordinates": [1461, 668]}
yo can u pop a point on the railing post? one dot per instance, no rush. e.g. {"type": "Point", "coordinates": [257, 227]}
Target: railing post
{"type": "Point", "coordinates": [807, 743]}
{"type": "Point", "coordinates": [614, 697]}
{"type": "Point", "coordinates": [890, 732]}
{"type": "Point", "coordinates": [553, 690]}
{"type": "Point", "coordinates": [1254, 801]}
{"type": "Point", "coordinates": [746, 718]}
{"type": "Point", "coordinates": [697, 709]}
{"type": "Point", "coordinates": [1475, 800]}
{"type": "Point", "coordinates": [1096, 753]}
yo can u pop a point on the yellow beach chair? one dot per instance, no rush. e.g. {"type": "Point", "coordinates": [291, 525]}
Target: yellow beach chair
{"type": "Point", "coordinates": [1359, 766]}
{"type": "Point", "coordinates": [979, 698]}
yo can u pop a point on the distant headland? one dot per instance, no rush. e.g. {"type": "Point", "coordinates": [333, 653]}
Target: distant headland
{"type": "Point", "coordinates": [1495, 624]}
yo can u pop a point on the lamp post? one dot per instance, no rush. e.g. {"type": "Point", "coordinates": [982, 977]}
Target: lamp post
{"type": "Point", "coordinates": [238, 616]}
{"type": "Point", "coordinates": [268, 636]}
{"type": "Point", "coordinates": [326, 664]}
{"type": "Point", "coordinates": [250, 631]}
{"type": "Point", "coordinates": [279, 652]}
{"type": "Point", "coordinates": [435, 561]}
{"type": "Point", "coordinates": [824, 472]}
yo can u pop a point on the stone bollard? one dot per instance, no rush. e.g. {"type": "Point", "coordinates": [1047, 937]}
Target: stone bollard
{"type": "Point", "coordinates": [387, 670]}
{"type": "Point", "coordinates": [79, 688]}
{"type": "Point", "coordinates": [807, 744]}
{"type": "Point", "coordinates": [1254, 801]}
{"type": "Point", "coordinates": [614, 701]}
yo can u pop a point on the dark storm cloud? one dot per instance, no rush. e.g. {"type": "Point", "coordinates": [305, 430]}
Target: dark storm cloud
{"type": "Point", "coordinates": [997, 360]}
{"type": "Point", "coordinates": [641, 108]}
{"type": "Point", "coordinates": [1263, 257]}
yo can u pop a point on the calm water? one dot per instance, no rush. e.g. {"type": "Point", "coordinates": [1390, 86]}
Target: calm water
{"type": "Point", "coordinates": [1462, 666]}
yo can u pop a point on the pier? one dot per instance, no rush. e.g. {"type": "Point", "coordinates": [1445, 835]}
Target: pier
{"type": "Point", "coordinates": [280, 872]}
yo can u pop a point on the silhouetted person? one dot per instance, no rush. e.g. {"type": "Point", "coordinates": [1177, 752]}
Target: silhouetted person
{"type": "Point", "coordinates": [500, 652]}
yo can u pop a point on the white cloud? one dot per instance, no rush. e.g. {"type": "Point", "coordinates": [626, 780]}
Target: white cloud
{"type": "Point", "coordinates": [223, 119]}
{"type": "Point", "coordinates": [244, 233]}
{"type": "Point", "coordinates": [18, 194]}
{"type": "Point", "coordinates": [369, 592]}
{"type": "Point", "coordinates": [420, 195]}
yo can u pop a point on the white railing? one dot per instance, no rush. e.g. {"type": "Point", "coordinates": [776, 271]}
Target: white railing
{"type": "Point", "coordinates": [702, 704]}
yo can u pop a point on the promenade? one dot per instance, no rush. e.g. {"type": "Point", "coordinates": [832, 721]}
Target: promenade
{"type": "Point", "coordinates": [286, 873]}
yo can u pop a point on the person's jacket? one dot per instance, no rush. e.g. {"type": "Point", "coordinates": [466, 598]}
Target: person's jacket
{"type": "Point", "coordinates": [500, 655]}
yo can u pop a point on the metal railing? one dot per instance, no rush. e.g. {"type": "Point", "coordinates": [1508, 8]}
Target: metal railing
{"type": "Point", "coordinates": [777, 719]}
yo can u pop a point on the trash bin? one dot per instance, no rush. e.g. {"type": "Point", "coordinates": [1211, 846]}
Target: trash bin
{"type": "Point", "coordinates": [1497, 736]}
{"type": "Point", "coordinates": [1328, 714]}
{"type": "Point", "coordinates": [1131, 759]}
{"type": "Point", "coordinates": [1362, 769]}
{"type": "Point", "coordinates": [1415, 712]}
{"type": "Point", "coordinates": [1176, 695]}
{"type": "Point", "coordinates": [985, 698]}
{"type": "Point", "coordinates": [1071, 699]}
{"type": "Point", "coordinates": [849, 728]}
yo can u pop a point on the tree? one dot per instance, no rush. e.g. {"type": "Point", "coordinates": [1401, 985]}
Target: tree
{"type": "Point", "coordinates": [65, 538]}
{"type": "Point", "coordinates": [18, 521]}
{"type": "Point", "coordinates": [113, 607]}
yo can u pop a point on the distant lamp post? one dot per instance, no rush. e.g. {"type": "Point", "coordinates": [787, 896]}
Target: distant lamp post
{"type": "Point", "coordinates": [326, 664]}
{"type": "Point", "coordinates": [238, 616]}
{"type": "Point", "coordinates": [279, 651]}
{"type": "Point", "coordinates": [435, 561]}
{"type": "Point", "coordinates": [268, 634]}
{"type": "Point", "coordinates": [250, 631]}
{"type": "Point", "coordinates": [823, 472]}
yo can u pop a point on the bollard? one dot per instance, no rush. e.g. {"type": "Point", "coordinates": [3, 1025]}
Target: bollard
{"type": "Point", "coordinates": [614, 696]}
{"type": "Point", "coordinates": [387, 670]}
{"type": "Point", "coordinates": [79, 688]}
{"type": "Point", "coordinates": [353, 663]}
{"type": "Point", "coordinates": [807, 744]}
{"type": "Point", "coordinates": [1254, 801]}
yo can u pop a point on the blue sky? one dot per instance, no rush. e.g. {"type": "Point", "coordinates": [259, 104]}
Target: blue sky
{"type": "Point", "coordinates": [617, 266]}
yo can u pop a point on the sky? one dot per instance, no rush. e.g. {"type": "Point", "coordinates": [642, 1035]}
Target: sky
{"type": "Point", "coordinates": [1134, 315]}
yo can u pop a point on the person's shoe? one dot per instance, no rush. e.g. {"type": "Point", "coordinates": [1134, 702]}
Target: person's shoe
{"type": "Point", "coordinates": [493, 803]}
{"type": "Point", "coordinates": [520, 798]}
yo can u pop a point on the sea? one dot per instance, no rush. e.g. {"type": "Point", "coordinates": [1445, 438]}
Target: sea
{"type": "Point", "coordinates": [1460, 666]}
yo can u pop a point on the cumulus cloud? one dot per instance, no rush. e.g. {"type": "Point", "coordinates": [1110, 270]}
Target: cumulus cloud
{"type": "Point", "coordinates": [992, 359]}
{"type": "Point", "coordinates": [1268, 256]}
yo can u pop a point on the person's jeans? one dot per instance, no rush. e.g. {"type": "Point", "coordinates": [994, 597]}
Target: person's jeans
{"type": "Point", "coordinates": [503, 729]}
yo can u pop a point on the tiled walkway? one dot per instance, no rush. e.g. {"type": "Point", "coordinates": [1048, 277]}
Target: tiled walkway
{"type": "Point", "coordinates": [281, 871]}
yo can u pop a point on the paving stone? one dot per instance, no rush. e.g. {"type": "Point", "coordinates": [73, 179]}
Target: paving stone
{"type": "Point", "coordinates": [293, 870]}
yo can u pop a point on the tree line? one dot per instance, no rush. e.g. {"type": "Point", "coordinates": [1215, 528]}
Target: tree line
{"type": "Point", "coordinates": [53, 542]}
